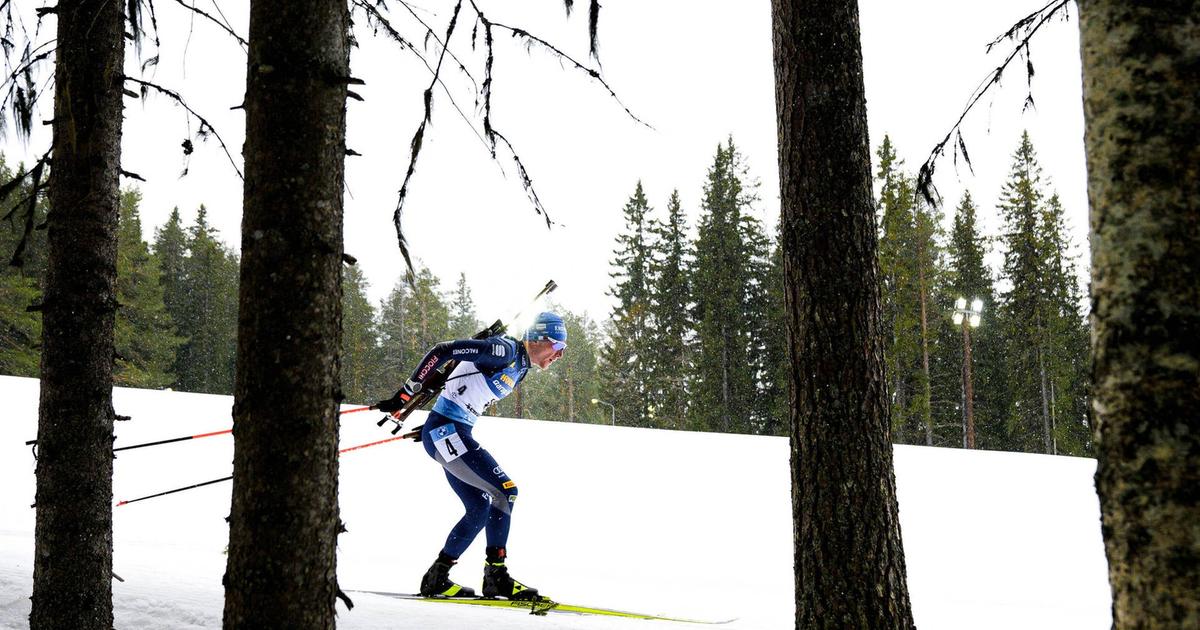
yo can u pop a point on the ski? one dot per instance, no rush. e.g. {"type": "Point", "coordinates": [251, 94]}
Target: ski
{"type": "Point", "coordinates": [541, 607]}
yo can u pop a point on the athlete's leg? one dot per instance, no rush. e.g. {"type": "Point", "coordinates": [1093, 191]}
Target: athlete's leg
{"type": "Point", "coordinates": [477, 507]}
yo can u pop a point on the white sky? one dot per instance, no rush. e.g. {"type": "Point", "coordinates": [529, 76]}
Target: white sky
{"type": "Point", "coordinates": [696, 71]}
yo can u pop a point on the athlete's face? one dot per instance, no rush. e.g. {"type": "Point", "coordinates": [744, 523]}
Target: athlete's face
{"type": "Point", "coordinates": [542, 353]}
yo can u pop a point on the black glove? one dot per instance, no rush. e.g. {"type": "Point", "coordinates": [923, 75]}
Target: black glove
{"type": "Point", "coordinates": [397, 402]}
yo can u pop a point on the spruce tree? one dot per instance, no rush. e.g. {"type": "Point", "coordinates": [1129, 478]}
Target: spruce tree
{"type": "Point", "coordinates": [412, 319]}
{"type": "Point", "coordinates": [361, 355]}
{"type": "Point", "coordinates": [463, 321]}
{"type": "Point", "coordinates": [969, 278]}
{"type": "Point", "coordinates": [670, 304]}
{"type": "Point", "coordinates": [205, 362]}
{"type": "Point", "coordinates": [760, 336]}
{"type": "Point", "coordinates": [626, 357]}
{"type": "Point", "coordinates": [1038, 319]}
{"type": "Point", "coordinates": [170, 249]}
{"type": "Point", "coordinates": [144, 331]}
{"type": "Point", "coordinates": [1068, 352]}
{"type": "Point", "coordinates": [776, 351]}
{"type": "Point", "coordinates": [724, 380]}
{"type": "Point", "coordinates": [899, 279]}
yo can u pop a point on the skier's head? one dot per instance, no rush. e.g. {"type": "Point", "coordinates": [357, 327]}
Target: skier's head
{"type": "Point", "coordinates": [546, 339]}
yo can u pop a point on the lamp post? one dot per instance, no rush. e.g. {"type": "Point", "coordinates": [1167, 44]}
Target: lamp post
{"type": "Point", "coordinates": [968, 318]}
{"type": "Point", "coordinates": [597, 401]}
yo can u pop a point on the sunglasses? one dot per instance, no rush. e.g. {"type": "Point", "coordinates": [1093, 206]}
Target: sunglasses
{"type": "Point", "coordinates": [558, 345]}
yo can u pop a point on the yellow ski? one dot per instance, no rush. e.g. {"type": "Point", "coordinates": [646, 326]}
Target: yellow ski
{"type": "Point", "coordinates": [542, 606]}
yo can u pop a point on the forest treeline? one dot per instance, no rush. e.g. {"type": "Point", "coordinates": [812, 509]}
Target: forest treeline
{"type": "Point", "coordinates": [696, 340]}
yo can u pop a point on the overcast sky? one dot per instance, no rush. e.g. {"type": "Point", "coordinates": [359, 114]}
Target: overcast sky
{"type": "Point", "coordinates": [697, 72]}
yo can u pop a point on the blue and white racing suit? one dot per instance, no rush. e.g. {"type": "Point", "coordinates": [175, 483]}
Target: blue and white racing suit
{"type": "Point", "coordinates": [488, 370]}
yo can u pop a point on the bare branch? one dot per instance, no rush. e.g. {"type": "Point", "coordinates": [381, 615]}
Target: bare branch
{"type": "Point", "coordinates": [594, 74]}
{"type": "Point", "coordinates": [526, 181]}
{"type": "Point", "coordinates": [192, 7]}
{"type": "Point", "coordinates": [205, 127]}
{"type": "Point", "coordinates": [444, 44]}
{"type": "Point", "coordinates": [415, 147]}
{"type": "Point", "coordinates": [29, 203]}
{"type": "Point", "coordinates": [1023, 30]}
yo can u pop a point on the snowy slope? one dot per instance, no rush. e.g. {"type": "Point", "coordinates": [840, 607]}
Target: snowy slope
{"type": "Point", "coordinates": [683, 524]}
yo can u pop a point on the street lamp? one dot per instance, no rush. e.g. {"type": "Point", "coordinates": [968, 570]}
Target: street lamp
{"type": "Point", "coordinates": [968, 319]}
{"type": "Point", "coordinates": [597, 401]}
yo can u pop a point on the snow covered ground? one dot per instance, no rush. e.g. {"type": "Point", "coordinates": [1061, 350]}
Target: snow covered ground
{"type": "Point", "coordinates": [683, 524]}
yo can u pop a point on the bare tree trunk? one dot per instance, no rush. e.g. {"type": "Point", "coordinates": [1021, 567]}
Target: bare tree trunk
{"type": "Point", "coordinates": [926, 386]}
{"type": "Point", "coordinates": [72, 570]}
{"type": "Point", "coordinates": [724, 385]}
{"type": "Point", "coordinates": [1046, 437]}
{"type": "Point", "coordinates": [849, 560]}
{"type": "Point", "coordinates": [1141, 72]}
{"type": "Point", "coordinates": [284, 518]}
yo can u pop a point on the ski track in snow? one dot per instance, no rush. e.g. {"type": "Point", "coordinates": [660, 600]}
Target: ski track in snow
{"type": "Point", "coordinates": [659, 522]}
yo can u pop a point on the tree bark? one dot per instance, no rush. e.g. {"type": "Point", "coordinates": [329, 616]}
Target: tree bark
{"type": "Point", "coordinates": [849, 561]}
{"type": "Point", "coordinates": [72, 572]}
{"type": "Point", "coordinates": [926, 384]}
{"type": "Point", "coordinates": [1141, 75]}
{"type": "Point", "coordinates": [284, 518]}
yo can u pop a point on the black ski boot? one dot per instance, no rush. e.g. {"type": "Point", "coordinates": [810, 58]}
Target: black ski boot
{"type": "Point", "coordinates": [498, 583]}
{"type": "Point", "coordinates": [436, 582]}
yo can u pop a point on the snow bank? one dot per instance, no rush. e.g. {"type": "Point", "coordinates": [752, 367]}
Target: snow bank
{"type": "Point", "coordinates": [684, 524]}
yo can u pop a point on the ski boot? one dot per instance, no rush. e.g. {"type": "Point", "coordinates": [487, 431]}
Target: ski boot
{"type": "Point", "coordinates": [498, 583]}
{"type": "Point", "coordinates": [436, 582]}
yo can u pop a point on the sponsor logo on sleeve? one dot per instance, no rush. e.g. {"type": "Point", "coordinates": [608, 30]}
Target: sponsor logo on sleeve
{"type": "Point", "coordinates": [509, 485]}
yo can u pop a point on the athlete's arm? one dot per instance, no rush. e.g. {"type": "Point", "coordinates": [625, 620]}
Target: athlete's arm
{"type": "Point", "coordinates": [487, 353]}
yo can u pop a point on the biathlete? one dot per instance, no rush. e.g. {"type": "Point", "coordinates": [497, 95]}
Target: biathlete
{"type": "Point", "coordinates": [488, 370]}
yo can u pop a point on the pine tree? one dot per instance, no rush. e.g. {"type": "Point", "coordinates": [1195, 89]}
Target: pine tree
{"type": "Point", "coordinates": [144, 330]}
{"type": "Point", "coordinates": [205, 362]}
{"type": "Point", "coordinates": [776, 352]}
{"type": "Point", "coordinates": [761, 338]}
{"type": "Point", "coordinates": [1038, 317]}
{"type": "Point", "coordinates": [1068, 352]}
{"type": "Point", "coordinates": [73, 542]}
{"type": "Point", "coordinates": [670, 303]}
{"type": "Point", "coordinates": [899, 279]}
{"type": "Point", "coordinates": [463, 321]}
{"type": "Point", "coordinates": [969, 278]}
{"type": "Point", "coordinates": [362, 357]}
{"type": "Point", "coordinates": [849, 560]}
{"type": "Point", "coordinates": [724, 380]}
{"type": "Point", "coordinates": [412, 319]}
{"type": "Point", "coordinates": [170, 249]}
{"type": "Point", "coordinates": [625, 356]}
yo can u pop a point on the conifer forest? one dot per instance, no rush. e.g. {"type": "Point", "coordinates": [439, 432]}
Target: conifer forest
{"type": "Point", "coordinates": [839, 309]}
{"type": "Point", "coordinates": [714, 359]}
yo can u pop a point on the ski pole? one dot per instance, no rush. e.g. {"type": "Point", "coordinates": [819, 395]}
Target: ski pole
{"type": "Point", "coordinates": [192, 437]}
{"type": "Point", "coordinates": [208, 483]}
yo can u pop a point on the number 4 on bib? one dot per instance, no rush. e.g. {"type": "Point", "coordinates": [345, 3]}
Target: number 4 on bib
{"type": "Point", "coordinates": [448, 444]}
